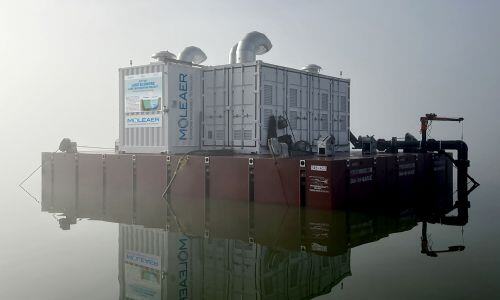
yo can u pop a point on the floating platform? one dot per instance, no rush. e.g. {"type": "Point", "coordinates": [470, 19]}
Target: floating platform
{"type": "Point", "coordinates": [309, 181]}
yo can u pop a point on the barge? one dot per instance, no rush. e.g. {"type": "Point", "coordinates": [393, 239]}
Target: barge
{"type": "Point", "coordinates": [249, 131]}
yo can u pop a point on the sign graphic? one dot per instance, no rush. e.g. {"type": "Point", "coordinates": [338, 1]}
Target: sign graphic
{"type": "Point", "coordinates": [143, 92]}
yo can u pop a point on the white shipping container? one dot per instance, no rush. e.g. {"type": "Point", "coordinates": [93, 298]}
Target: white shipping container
{"type": "Point", "coordinates": [239, 99]}
{"type": "Point", "coordinates": [160, 108]}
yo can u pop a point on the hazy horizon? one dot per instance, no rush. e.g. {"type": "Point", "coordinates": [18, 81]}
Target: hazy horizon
{"type": "Point", "coordinates": [404, 58]}
{"type": "Point", "coordinates": [59, 78]}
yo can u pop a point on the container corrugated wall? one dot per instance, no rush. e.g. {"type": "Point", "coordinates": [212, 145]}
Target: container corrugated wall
{"type": "Point", "coordinates": [143, 240]}
{"type": "Point", "coordinates": [221, 268]}
{"type": "Point", "coordinates": [239, 99]}
{"type": "Point", "coordinates": [141, 136]}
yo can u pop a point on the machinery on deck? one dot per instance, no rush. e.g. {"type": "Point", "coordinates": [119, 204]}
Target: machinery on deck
{"type": "Point", "coordinates": [411, 144]}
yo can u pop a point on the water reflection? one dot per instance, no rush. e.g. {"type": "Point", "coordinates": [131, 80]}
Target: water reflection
{"type": "Point", "coordinates": [204, 248]}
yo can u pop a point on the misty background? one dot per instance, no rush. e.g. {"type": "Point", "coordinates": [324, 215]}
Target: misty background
{"type": "Point", "coordinates": [59, 78]}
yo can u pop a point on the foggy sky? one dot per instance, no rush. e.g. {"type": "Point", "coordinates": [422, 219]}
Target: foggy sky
{"type": "Point", "coordinates": [59, 78]}
{"type": "Point", "coordinates": [405, 58]}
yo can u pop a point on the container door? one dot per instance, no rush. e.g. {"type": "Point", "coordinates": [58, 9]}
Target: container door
{"type": "Point", "coordinates": [335, 111]}
{"type": "Point", "coordinates": [215, 98]}
{"type": "Point", "coordinates": [272, 100]}
{"type": "Point", "coordinates": [344, 114]}
{"type": "Point", "coordinates": [142, 120]}
{"type": "Point", "coordinates": [297, 105]}
{"type": "Point", "coordinates": [314, 100]}
{"type": "Point", "coordinates": [304, 125]}
{"type": "Point", "coordinates": [242, 107]}
{"type": "Point", "coordinates": [324, 107]}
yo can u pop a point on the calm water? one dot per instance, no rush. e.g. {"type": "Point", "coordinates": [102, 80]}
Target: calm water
{"type": "Point", "coordinates": [240, 251]}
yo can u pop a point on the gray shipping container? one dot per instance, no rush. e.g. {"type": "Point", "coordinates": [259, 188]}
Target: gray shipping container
{"type": "Point", "coordinates": [239, 99]}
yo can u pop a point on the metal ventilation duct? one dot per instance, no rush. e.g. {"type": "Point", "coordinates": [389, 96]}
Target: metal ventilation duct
{"type": "Point", "coordinates": [312, 68]}
{"type": "Point", "coordinates": [192, 55]}
{"type": "Point", "coordinates": [164, 56]}
{"type": "Point", "coordinates": [232, 54]}
{"type": "Point", "coordinates": [254, 43]}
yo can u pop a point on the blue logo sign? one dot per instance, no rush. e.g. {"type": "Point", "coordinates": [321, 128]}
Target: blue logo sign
{"type": "Point", "coordinates": [183, 121]}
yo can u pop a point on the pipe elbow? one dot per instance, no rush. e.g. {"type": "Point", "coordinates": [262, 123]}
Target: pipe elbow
{"type": "Point", "coordinates": [192, 55]}
{"type": "Point", "coordinates": [232, 54]}
{"type": "Point", "coordinates": [254, 43]}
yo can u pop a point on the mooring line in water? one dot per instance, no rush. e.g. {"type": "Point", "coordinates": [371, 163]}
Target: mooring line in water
{"type": "Point", "coordinates": [31, 174]}
{"type": "Point", "coordinates": [28, 177]}
{"type": "Point", "coordinates": [29, 194]}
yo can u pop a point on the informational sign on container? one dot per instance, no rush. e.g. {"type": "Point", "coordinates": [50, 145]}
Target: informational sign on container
{"type": "Point", "coordinates": [143, 100]}
{"type": "Point", "coordinates": [180, 88]}
{"type": "Point", "coordinates": [143, 120]}
{"type": "Point", "coordinates": [142, 276]}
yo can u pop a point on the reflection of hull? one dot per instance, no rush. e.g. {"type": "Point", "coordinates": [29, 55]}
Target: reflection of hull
{"type": "Point", "coordinates": [196, 268]}
{"type": "Point", "coordinates": [119, 181]}
{"type": "Point", "coordinates": [105, 190]}
{"type": "Point", "coordinates": [325, 233]}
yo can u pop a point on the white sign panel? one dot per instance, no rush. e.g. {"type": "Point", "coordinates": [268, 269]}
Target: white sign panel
{"type": "Point", "coordinates": [143, 120]}
{"type": "Point", "coordinates": [142, 276]}
{"type": "Point", "coordinates": [145, 260]}
{"type": "Point", "coordinates": [318, 168]}
{"type": "Point", "coordinates": [142, 283]}
{"type": "Point", "coordinates": [143, 92]}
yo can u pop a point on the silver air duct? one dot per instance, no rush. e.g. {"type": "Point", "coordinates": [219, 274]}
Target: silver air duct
{"type": "Point", "coordinates": [312, 68]}
{"type": "Point", "coordinates": [192, 55]}
{"type": "Point", "coordinates": [232, 54]}
{"type": "Point", "coordinates": [254, 43]}
{"type": "Point", "coordinates": [163, 56]}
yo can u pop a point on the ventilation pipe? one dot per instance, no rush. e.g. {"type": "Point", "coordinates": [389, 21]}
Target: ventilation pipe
{"type": "Point", "coordinates": [254, 43]}
{"type": "Point", "coordinates": [193, 55]}
{"type": "Point", "coordinates": [232, 54]}
{"type": "Point", "coordinates": [164, 56]}
{"type": "Point", "coordinates": [312, 68]}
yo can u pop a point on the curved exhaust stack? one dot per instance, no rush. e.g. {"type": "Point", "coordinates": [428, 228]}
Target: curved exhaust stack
{"type": "Point", "coordinates": [164, 56]}
{"type": "Point", "coordinates": [193, 55]}
{"type": "Point", "coordinates": [232, 54]}
{"type": "Point", "coordinates": [312, 68]}
{"type": "Point", "coordinates": [254, 43]}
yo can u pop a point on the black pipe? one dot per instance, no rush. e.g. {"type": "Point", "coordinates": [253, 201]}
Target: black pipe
{"type": "Point", "coordinates": [459, 146]}
{"type": "Point", "coordinates": [462, 161]}
{"type": "Point", "coordinates": [411, 144]}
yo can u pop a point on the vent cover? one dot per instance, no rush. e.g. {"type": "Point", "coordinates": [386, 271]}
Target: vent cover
{"type": "Point", "coordinates": [268, 95]}
{"type": "Point", "coordinates": [293, 97]}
